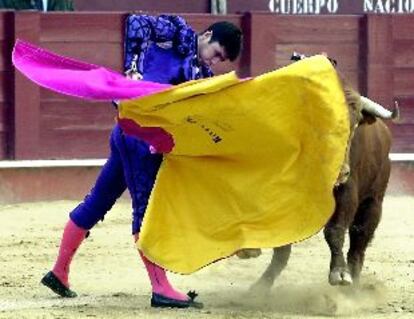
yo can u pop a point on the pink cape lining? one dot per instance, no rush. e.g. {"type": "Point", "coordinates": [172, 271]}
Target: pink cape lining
{"type": "Point", "coordinates": [89, 81]}
{"type": "Point", "coordinates": [77, 78]}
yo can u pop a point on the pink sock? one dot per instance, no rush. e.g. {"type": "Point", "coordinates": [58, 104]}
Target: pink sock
{"type": "Point", "coordinates": [71, 239]}
{"type": "Point", "coordinates": [159, 281]}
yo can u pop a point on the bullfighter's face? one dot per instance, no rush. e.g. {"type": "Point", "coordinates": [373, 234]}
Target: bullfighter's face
{"type": "Point", "coordinates": [210, 53]}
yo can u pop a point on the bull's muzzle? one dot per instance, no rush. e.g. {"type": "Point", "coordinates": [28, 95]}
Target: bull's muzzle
{"type": "Point", "coordinates": [343, 175]}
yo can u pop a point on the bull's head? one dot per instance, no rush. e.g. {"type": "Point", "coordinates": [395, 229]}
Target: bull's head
{"type": "Point", "coordinates": [361, 111]}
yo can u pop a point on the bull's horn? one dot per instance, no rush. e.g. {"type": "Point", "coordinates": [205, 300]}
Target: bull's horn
{"type": "Point", "coordinates": [378, 110]}
{"type": "Point", "coordinates": [396, 111]}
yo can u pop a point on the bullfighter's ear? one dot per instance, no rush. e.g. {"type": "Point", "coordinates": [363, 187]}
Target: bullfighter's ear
{"type": "Point", "coordinates": [367, 118]}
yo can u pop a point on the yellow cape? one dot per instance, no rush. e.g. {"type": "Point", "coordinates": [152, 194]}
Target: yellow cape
{"type": "Point", "coordinates": [254, 162]}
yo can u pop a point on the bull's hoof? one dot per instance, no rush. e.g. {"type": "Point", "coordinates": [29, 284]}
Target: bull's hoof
{"type": "Point", "coordinates": [248, 253]}
{"type": "Point", "coordinates": [340, 277]}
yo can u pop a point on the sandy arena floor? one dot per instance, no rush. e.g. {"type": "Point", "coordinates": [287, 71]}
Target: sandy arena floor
{"type": "Point", "coordinates": [112, 281]}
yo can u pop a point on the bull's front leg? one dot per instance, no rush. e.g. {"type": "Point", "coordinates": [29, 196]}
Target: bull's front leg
{"type": "Point", "coordinates": [334, 232]}
{"type": "Point", "coordinates": [279, 261]}
{"type": "Point", "coordinates": [361, 233]}
{"type": "Point", "coordinates": [346, 205]}
{"type": "Point", "coordinates": [339, 273]}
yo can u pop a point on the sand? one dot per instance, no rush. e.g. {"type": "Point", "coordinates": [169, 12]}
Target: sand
{"type": "Point", "coordinates": [112, 283]}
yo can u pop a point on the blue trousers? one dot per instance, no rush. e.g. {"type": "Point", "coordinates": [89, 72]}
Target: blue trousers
{"type": "Point", "coordinates": [130, 165]}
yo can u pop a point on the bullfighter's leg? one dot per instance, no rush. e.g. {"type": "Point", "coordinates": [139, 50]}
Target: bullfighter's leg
{"type": "Point", "coordinates": [346, 206]}
{"type": "Point", "coordinates": [108, 188]}
{"type": "Point", "coordinates": [279, 261]}
{"type": "Point", "coordinates": [141, 169]}
{"type": "Point", "coordinates": [361, 233]}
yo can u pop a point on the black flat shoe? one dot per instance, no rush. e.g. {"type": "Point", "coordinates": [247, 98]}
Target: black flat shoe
{"type": "Point", "coordinates": [53, 282]}
{"type": "Point", "coordinates": [160, 301]}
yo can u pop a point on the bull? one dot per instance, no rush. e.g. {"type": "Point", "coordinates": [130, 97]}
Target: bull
{"type": "Point", "coordinates": [359, 193]}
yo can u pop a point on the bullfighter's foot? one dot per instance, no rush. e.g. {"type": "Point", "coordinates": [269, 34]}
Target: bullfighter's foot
{"type": "Point", "coordinates": [51, 281]}
{"type": "Point", "coordinates": [160, 301]}
{"type": "Point", "coordinates": [340, 276]}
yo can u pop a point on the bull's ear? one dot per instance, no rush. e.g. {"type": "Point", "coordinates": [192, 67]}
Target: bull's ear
{"type": "Point", "coordinates": [367, 118]}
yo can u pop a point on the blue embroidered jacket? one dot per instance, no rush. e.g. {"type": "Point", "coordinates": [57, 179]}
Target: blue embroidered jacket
{"type": "Point", "coordinates": [164, 47]}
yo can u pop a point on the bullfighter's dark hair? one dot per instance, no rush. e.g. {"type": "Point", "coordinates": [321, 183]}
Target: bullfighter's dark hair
{"type": "Point", "coordinates": [227, 35]}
